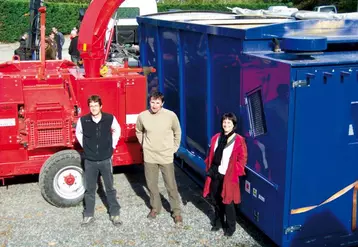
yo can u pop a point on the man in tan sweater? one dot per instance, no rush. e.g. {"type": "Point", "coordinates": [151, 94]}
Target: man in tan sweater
{"type": "Point", "coordinates": [158, 130]}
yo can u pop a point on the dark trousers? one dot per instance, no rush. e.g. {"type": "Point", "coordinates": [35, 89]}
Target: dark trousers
{"type": "Point", "coordinates": [59, 53]}
{"type": "Point", "coordinates": [224, 213]}
{"type": "Point", "coordinates": [92, 170]}
{"type": "Point", "coordinates": [75, 59]}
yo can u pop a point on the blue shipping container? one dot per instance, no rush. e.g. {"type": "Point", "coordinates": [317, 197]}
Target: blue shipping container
{"type": "Point", "coordinates": [294, 85]}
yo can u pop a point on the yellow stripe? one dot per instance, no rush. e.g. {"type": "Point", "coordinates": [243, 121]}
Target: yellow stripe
{"type": "Point", "coordinates": [332, 198]}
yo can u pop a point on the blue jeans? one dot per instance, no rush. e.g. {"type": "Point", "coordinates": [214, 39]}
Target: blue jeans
{"type": "Point", "coordinates": [92, 170]}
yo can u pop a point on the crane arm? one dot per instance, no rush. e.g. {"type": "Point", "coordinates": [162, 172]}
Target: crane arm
{"type": "Point", "coordinates": [92, 34]}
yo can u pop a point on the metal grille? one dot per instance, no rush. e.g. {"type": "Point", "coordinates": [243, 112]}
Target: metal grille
{"type": "Point", "coordinates": [49, 133]}
{"type": "Point", "coordinates": [67, 131]}
{"type": "Point", "coordinates": [50, 137]}
{"type": "Point", "coordinates": [49, 124]}
{"type": "Point", "coordinates": [256, 113]}
{"type": "Point", "coordinates": [32, 134]}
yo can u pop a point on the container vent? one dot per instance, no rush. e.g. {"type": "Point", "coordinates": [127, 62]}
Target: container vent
{"type": "Point", "coordinates": [256, 113]}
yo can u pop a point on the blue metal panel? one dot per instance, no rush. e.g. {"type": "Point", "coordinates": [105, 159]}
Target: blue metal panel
{"type": "Point", "coordinates": [159, 54]}
{"type": "Point", "coordinates": [267, 151]}
{"type": "Point", "coordinates": [309, 149]}
{"type": "Point", "coordinates": [323, 148]}
{"type": "Point", "coordinates": [342, 31]}
{"type": "Point", "coordinates": [284, 238]}
{"type": "Point", "coordinates": [170, 73]}
{"type": "Point", "coordinates": [182, 103]}
{"type": "Point", "coordinates": [194, 48]}
{"type": "Point", "coordinates": [209, 92]}
{"type": "Point", "coordinates": [226, 77]}
{"type": "Point", "coordinates": [306, 59]}
{"type": "Point", "coordinates": [142, 44]}
{"type": "Point", "coordinates": [306, 43]}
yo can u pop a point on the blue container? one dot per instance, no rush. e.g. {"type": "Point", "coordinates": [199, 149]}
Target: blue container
{"type": "Point", "coordinates": [294, 85]}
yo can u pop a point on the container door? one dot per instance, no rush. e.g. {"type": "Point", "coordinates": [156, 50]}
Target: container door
{"type": "Point", "coordinates": [324, 156]}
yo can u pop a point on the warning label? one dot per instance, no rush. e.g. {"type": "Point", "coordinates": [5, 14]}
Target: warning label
{"type": "Point", "coordinates": [6, 122]}
{"type": "Point", "coordinates": [247, 187]}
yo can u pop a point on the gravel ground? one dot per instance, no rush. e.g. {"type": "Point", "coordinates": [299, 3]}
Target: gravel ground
{"type": "Point", "coordinates": [26, 219]}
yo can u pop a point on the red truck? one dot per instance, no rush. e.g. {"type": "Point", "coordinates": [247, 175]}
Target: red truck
{"type": "Point", "coordinates": [41, 101]}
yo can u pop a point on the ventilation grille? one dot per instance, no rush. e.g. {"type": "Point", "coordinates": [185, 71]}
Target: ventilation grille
{"type": "Point", "coordinates": [49, 133]}
{"type": "Point", "coordinates": [32, 134]}
{"type": "Point", "coordinates": [49, 124]}
{"type": "Point", "coordinates": [50, 137]}
{"type": "Point", "coordinates": [256, 113]}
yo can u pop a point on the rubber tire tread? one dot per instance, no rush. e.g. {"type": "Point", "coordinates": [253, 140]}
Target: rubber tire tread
{"type": "Point", "coordinates": [48, 171]}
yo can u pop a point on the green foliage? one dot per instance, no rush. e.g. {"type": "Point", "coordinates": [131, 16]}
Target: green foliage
{"type": "Point", "coordinates": [14, 19]}
{"type": "Point", "coordinates": [68, 1]}
{"type": "Point", "coordinates": [221, 7]}
{"type": "Point", "coordinates": [64, 14]}
{"type": "Point", "coordinates": [13, 22]}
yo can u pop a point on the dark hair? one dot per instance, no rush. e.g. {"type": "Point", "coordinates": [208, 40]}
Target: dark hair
{"type": "Point", "coordinates": [157, 95]}
{"type": "Point", "coordinates": [94, 98]}
{"type": "Point", "coordinates": [231, 116]}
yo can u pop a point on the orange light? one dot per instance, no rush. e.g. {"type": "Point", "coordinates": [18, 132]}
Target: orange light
{"type": "Point", "coordinates": [84, 47]}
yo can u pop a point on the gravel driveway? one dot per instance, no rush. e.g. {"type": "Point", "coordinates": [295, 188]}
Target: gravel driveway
{"type": "Point", "coordinates": [26, 219]}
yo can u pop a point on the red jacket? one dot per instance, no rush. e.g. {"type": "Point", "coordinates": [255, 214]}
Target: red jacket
{"type": "Point", "coordinates": [236, 168]}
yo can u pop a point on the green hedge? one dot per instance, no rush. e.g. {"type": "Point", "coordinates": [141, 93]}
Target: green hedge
{"type": "Point", "coordinates": [69, 1]}
{"type": "Point", "coordinates": [64, 15]}
{"type": "Point", "coordinates": [216, 7]}
{"type": "Point", "coordinates": [14, 20]}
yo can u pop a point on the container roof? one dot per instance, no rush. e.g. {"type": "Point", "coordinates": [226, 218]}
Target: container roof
{"type": "Point", "coordinates": [254, 27]}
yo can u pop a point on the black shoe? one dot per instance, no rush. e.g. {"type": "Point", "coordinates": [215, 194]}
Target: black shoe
{"type": "Point", "coordinates": [215, 228]}
{"type": "Point", "coordinates": [229, 233]}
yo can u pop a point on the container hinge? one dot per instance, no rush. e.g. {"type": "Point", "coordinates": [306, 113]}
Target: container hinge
{"type": "Point", "coordinates": [300, 83]}
{"type": "Point", "coordinates": [291, 229]}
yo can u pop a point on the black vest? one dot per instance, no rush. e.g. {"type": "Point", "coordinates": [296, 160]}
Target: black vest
{"type": "Point", "coordinates": [97, 138]}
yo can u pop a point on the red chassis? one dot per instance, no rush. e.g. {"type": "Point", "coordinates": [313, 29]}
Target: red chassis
{"type": "Point", "coordinates": [41, 101]}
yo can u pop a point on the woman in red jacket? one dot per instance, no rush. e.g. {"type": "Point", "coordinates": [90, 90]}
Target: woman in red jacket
{"type": "Point", "coordinates": [225, 163]}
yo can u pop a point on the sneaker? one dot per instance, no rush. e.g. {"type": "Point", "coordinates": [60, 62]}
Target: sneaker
{"type": "Point", "coordinates": [152, 214]}
{"type": "Point", "coordinates": [116, 220]}
{"type": "Point", "coordinates": [215, 228]}
{"type": "Point", "coordinates": [178, 219]}
{"type": "Point", "coordinates": [228, 233]}
{"type": "Point", "coordinates": [87, 221]}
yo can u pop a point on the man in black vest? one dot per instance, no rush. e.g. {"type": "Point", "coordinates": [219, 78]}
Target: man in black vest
{"type": "Point", "coordinates": [98, 133]}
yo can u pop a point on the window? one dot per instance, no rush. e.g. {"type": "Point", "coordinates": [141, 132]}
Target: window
{"type": "Point", "coordinates": [127, 13]}
{"type": "Point", "coordinates": [256, 113]}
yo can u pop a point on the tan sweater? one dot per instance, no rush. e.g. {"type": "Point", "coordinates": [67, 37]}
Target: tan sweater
{"type": "Point", "coordinates": [159, 135]}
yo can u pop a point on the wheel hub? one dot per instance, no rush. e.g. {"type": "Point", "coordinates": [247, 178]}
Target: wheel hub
{"type": "Point", "coordinates": [69, 179]}
{"type": "Point", "coordinates": [68, 182]}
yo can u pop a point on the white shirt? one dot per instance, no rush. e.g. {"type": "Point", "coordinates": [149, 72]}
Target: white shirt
{"type": "Point", "coordinates": [224, 164]}
{"type": "Point", "coordinates": [116, 131]}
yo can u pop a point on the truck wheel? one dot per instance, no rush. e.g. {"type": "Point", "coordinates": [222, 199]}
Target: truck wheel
{"type": "Point", "coordinates": [61, 179]}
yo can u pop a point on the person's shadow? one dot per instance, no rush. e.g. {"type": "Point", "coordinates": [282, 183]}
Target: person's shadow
{"type": "Point", "coordinates": [190, 187]}
{"type": "Point", "coordinates": [136, 178]}
{"type": "Point", "coordinates": [187, 189]}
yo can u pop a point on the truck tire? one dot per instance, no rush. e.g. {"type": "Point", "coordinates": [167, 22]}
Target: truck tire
{"type": "Point", "coordinates": [61, 179]}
